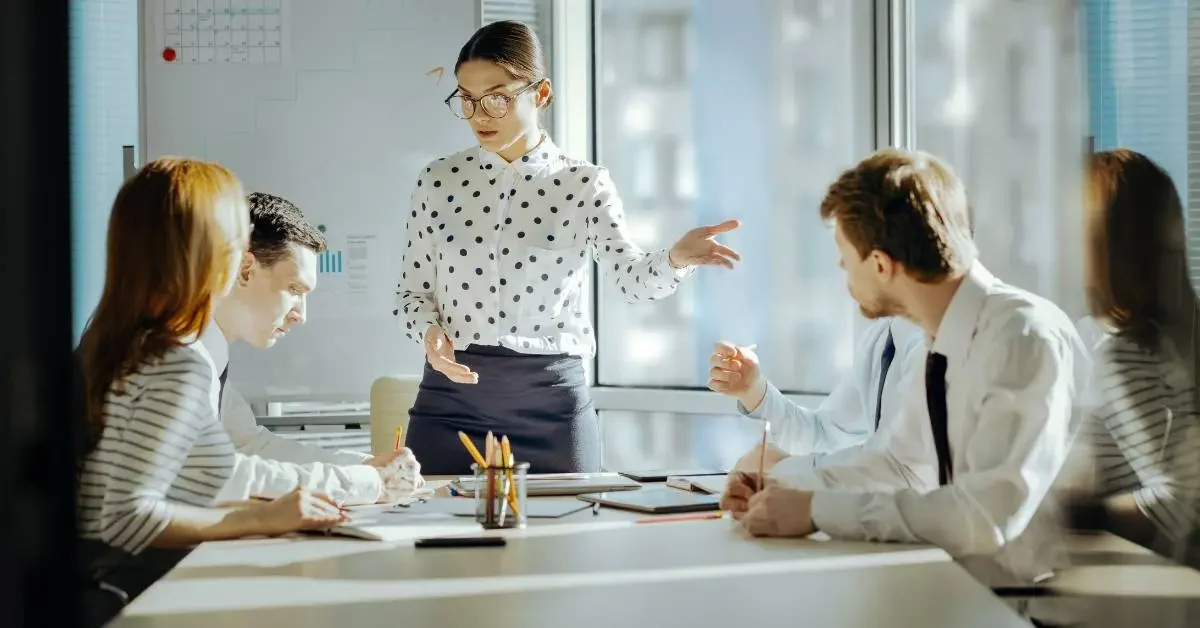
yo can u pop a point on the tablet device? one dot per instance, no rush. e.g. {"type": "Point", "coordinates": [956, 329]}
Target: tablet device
{"type": "Point", "coordinates": [661, 475]}
{"type": "Point", "coordinates": [460, 541]}
{"type": "Point", "coordinates": [656, 500]}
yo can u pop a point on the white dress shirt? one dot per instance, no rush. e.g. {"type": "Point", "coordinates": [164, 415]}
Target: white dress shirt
{"type": "Point", "coordinates": [1015, 366]}
{"type": "Point", "coordinates": [498, 252]}
{"type": "Point", "coordinates": [269, 465]}
{"type": "Point", "coordinates": [845, 420]}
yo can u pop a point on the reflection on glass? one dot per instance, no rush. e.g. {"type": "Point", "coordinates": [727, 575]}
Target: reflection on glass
{"type": "Point", "coordinates": [998, 95]}
{"type": "Point", "coordinates": [754, 109]}
{"type": "Point", "coordinates": [657, 440]}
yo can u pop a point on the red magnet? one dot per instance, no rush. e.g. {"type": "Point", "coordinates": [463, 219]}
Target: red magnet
{"type": "Point", "coordinates": [168, 54]}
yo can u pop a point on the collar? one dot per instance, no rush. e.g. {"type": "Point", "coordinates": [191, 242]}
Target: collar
{"type": "Point", "coordinates": [957, 329]}
{"type": "Point", "coordinates": [217, 346]}
{"type": "Point", "coordinates": [530, 163]}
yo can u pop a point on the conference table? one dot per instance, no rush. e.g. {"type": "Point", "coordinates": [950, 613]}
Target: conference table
{"type": "Point", "coordinates": [590, 569]}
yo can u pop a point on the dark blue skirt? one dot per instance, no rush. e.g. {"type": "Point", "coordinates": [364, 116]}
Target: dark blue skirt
{"type": "Point", "coordinates": [541, 402]}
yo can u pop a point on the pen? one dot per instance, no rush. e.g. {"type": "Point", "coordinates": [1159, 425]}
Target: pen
{"type": "Point", "coordinates": [762, 456]}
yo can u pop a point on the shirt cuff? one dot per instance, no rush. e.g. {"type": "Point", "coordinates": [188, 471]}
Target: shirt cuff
{"type": "Point", "coordinates": [770, 406]}
{"type": "Point", "coordinates": [346, 456]}
{"type": "Point", "coordinates": [836, 513]}
{"type": "Point", "coordinates": [365, 485]}
{"type": "Point", "coordinates": [678, 274]}
{"type": "Point", "coordinates": [797, 472]}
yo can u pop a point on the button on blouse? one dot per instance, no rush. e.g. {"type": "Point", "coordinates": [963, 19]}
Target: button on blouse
{"type": "Point", "coordinates": [497, 252]}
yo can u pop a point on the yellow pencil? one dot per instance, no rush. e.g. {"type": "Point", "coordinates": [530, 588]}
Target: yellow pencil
{"type": "Point", "coordinates": [506, 452]}
{"type": "Point", "coordinates": [466, 441]}
{"type": "Point", "coordinates": [399, 438]}
{"type": "Point", "coordinates": [762, 456]}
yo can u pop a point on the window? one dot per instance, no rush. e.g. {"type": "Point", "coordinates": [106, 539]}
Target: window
{"type": "Point", "coordinates": [1138, 78]}
{"type": "Point", "coordinates": [749, 109]}
{"type": "Point", "coordinates": [104, 118]}
{"type": "Point", "coordinates": [997, 94]}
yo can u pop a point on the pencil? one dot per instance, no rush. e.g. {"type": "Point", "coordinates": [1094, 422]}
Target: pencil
{"type": "Point", "coordinates": [506, 452]}
{"type": "Point", "coordinates": [716, 514]}
{"type": "Point", "coordinates": [762, 456]}
{"type": "Point", "coordinates": [466, 441]}
{"type": "Point", "coordinates": [399, 436]}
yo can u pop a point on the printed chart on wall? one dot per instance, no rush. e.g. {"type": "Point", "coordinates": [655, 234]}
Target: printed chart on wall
{"type": "Point", "coordinates": [223, 31]}
{"type": "Point", "coordinates": [353, 275]}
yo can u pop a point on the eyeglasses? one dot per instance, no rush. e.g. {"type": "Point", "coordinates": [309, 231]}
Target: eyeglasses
{"type": "Point", "coordinates": [495, 106]}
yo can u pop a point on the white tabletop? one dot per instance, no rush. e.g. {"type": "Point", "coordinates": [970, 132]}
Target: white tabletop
{"type": "Point", "coordinates": [582, 571]}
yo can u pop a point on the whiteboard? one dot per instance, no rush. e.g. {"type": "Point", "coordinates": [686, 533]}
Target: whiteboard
{"type": "Point", "coordinates": [330, 104]}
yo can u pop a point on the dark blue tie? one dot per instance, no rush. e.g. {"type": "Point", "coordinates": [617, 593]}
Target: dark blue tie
{"type": "Point", "coordinates": [885, 363]}
{"type": "Point", "coordinates": [221, 393]}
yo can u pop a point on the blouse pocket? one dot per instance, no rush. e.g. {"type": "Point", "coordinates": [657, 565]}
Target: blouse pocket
{"type": "Point", "coordinates": [552, 280]}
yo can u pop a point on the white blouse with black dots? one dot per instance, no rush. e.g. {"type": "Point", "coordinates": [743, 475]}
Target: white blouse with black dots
{"type": "Point", "coordinates": [497, 252]}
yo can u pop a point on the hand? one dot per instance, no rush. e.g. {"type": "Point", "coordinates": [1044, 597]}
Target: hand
{"type": "Point", "coordinates": [734, 371]}
{"type": "Point", "coordinates": [698, 247]}
{"type": "Point", "coordinates": [779, 511]}
{"type": "Point", "coordinates": [739, 488]}
{"type": "Point", "coordinates": [298, 510]}
{"type": "Point", "coordinates": [400, 478]}
{"type": "Point", "coordinates": [440, 352]}
{"type": "Point", "coordinates": [749, 462]}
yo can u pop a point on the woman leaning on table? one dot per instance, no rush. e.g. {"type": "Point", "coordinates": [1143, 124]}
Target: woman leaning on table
{"type": "Point", "coordinates": [499, 237]}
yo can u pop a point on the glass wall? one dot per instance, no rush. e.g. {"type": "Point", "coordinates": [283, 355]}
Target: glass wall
{"type": "Point", "coordinates": [708, 110]}
{"type": "Point", "coordinates": [998, 93]}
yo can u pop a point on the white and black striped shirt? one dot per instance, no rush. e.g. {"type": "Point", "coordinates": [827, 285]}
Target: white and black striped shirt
{"type": "Point", "coordinates": [1146, 430]}
{"type": "Point", "coordinates": [162, 444]}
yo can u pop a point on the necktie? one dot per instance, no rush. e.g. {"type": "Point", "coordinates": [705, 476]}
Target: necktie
{"type": "Point", "coordinates": [885, 363]}
{"type": "Point", "coordinates": [935, 398]}
{"type": "Point", "coordinates": [221, 393]}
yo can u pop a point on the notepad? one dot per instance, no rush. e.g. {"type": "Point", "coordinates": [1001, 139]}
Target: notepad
{"type": "Point", "coordinates": [558, 484]}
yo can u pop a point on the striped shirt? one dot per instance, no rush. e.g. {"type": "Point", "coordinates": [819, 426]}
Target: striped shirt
{"type": "Point", "coordinates": [162, 445]}
{"type": "Point", "coordinates": [1147, 434]}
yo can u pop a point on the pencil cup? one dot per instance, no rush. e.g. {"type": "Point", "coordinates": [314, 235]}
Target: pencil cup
{"type": "Point", "coordinates": [500, 495]}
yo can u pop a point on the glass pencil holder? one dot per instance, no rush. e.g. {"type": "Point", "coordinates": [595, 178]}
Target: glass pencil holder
{"type": "Point", "coordinates": [500, 496]}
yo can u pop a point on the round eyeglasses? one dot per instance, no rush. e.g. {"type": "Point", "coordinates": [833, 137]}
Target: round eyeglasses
{"type": "Point", "coordinates": [494, 106]}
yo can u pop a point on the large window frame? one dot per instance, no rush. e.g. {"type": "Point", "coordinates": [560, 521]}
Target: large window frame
{"type": "Point", "coordinates": [892, 41]}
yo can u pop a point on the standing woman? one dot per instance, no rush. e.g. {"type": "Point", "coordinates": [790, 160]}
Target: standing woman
{"type": "Point", "coordinates": [499, 237]}
{"type": "Point", "coordinates": [1148, 441]}
{"type": "Point", "coordinates": [155, 455]}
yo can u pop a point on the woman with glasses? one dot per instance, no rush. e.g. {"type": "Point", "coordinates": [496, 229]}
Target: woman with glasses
{"type": "Point", "coordinates": [499, 241]}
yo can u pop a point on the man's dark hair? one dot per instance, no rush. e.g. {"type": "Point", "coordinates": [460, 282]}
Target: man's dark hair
{"type": "Point", "coordinates": [278, 223]}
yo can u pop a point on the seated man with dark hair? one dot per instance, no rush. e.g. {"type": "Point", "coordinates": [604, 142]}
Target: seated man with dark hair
{"type": "Point", "coordinates": [269, 296]}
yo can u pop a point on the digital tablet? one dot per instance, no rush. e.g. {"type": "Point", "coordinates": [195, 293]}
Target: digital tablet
{"type": "Point", "coordinates": [661, 475]}
{"type": "Point", "coordinates": [656, 500]}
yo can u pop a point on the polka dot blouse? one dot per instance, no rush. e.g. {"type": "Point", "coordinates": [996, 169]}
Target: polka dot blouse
{"type": "Point", "coordinates": [498, 252]}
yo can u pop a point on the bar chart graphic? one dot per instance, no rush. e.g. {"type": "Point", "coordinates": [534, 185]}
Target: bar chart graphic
{"type": "Point", "coordinates": [330, 262]}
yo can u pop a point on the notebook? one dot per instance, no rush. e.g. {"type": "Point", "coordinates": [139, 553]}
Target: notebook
{"type": "Point", "coordinates": [709, 484]}
{"type": "Point", "coordinates": [385, 527]}
{"type": "Point", "coordinates": [559, 484]}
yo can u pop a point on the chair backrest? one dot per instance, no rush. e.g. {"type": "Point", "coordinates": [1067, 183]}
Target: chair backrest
{"type": "Point", "coordinates": [392, 396]}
